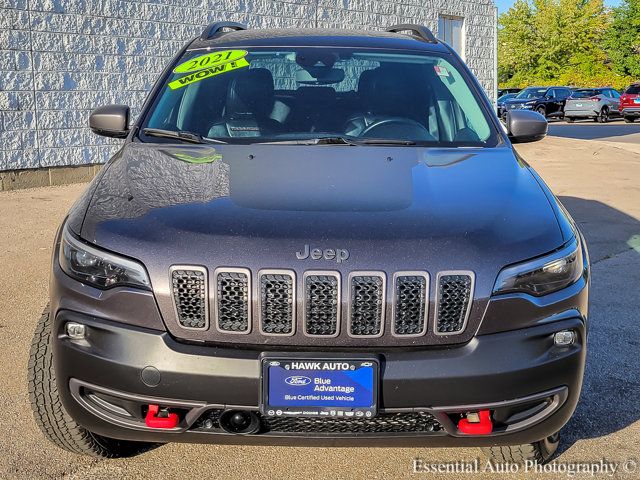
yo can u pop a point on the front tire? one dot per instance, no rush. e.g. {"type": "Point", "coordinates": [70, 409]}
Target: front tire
{"type": "Point", "coordinates": [629, 119]}
{"type": "Point", "coordinates": [49, 413]}
{"type": "Point", "coordinates": [540, 452]}
{"type": "Point", "coordinates": [542, 111]}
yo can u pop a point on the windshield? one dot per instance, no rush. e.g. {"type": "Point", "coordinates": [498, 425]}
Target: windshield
{"type": "Point", "coordinates": [532, 93]}
{"type": "Point", "coordinates": [257, 95]}
{"type": "Point", "coordinates": [633, 90]}
{"type": "Point", "coordinates": [506, 96]}
{"type": "Point", "coordinates": [584, 93]}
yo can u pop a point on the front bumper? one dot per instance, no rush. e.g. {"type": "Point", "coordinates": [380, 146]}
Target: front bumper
{"type": "Point", "coordinates": [493, 371]}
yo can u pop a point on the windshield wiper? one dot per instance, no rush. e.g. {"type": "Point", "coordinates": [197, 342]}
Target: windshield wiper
{"type": "Point", "coordinates": [342, 141]}
{"type": "Point", "coordinates": [313, 141]}
{"type": "Point", "coordinates": [189, 137]}
{"type": "Point", "coordinates": [385, 141]}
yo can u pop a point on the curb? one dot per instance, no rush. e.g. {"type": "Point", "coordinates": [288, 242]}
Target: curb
{"type": "Point", "coordinates": [46, 177]}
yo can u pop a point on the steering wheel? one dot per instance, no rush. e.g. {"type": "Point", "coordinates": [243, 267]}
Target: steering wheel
{"type": "Point", "coordinates": [397, 127]}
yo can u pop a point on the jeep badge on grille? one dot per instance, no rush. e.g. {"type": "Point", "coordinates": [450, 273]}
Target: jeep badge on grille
{"type": "Point", "coordinates": [338, 254]}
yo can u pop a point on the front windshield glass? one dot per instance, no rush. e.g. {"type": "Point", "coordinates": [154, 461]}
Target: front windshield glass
{"type": "Point", "coordinates": [531, 93]}
{"type": "Point", "coordinates": [256, 95]}
{"type": "Point", "coordinates": [506, 96]}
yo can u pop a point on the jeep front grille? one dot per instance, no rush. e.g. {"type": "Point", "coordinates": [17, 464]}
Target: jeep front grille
{"type": "Point", "coordinates": [410, 303]}
{"type": "Point", "coordinates": [277, 302]}
{"type": "Point", "coordinates": [232, 307]}
{"type": "Point", "coordinates": [189, 289]}
{"type": "Point", "coordinates": [321, 303]}
{"type": "Point", "coordinates": [453, 301]}
{"type": "Point", "coordinates": [366, 305]}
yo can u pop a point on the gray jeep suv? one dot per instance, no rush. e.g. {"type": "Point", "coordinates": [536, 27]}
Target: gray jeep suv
{"type": "Point", "coordinates": [314, 237]}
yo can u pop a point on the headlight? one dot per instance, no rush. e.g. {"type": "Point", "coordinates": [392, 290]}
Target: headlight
{"type": "Point", "coordinates": [543, 275]}
{"type": "Point", "coordinates": [98, 268]}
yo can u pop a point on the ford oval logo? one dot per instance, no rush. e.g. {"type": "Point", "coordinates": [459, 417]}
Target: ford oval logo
{"type": "Point", "coordinates": [297, 380]}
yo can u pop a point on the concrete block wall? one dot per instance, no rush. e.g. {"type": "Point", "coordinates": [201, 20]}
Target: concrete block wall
{"type": "Point", "coordinates": [61, 58]}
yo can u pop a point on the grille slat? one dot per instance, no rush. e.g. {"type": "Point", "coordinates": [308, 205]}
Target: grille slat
{"type": "Point", "coordinates": [189, 289]}
{"type": "Point", "coordinates": [277, 302]}
{"type": "Point", "coordinates": [391, 422]}
{"type": "Point", "coordinates": [233, 313]}
{"type": "Point", "coordinates": [455, 293]}
{"type": "Point", "coordinates": [410, 303]}
{"type": "Point", "coordinates": [322, 304]}
{"type": "Point", "coordinates": [366, 307]}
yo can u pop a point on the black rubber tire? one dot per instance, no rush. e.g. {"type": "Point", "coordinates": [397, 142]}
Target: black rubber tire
{"type": "Point", "coordinates": [569, 119]}
{"type": "Point", "coordinates": [540, 452]}
{"type": "Point", "coordinates": [604, 115]}
{"type": "Point", "coordinates": [51, 417]}
{"type": "Point", "coordinates": [542, 111]}
{"type": "Point", "coordinates": [629, 119]}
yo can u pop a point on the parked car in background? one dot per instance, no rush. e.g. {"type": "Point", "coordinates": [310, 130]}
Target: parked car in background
{"type": "Point", "coordinates": [501, 100]}
{"type": "Point", "coordinates": [598, 104]}
{"type": "Point", "coordinates": [504, 91]}
{"type": "Point", "coordinates": [547, 101]}
{"type": "Point", "coordinates": [630, 103]}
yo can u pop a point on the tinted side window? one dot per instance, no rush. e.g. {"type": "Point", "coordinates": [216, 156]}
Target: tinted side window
{"type": "Point", "coordinates": [633, 89]}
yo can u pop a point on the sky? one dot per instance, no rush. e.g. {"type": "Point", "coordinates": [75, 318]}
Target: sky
{"type": "Point", "coordinates": [503, 5]}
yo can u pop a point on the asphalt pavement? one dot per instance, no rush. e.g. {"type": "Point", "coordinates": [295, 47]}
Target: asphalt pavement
{"type": "Point", "coordinates": [614, 131]}
{"type": "Point", "coordinates": [600, 185]}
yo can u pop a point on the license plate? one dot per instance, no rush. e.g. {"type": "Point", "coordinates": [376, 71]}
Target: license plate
{"type": "Point", "coordinates": [578, 104]}
{"type": "Point", "coordinates": [636, 100]}
{"type": "Point", "coordinates": [320, 387]}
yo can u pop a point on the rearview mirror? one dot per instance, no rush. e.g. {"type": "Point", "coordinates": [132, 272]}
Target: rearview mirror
{"type": "Point", "coordinates": [319, 76]}
{"type": "Point", "coordinates": [526, 126]}
{"type": "Point", "coordinates": [110, 121]}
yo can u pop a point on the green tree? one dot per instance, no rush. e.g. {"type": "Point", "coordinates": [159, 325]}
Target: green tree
{"type": "Point", "coordinates": [552, 41]}
{"type": "Point", "coordinates": [516, 31]}
{"type": "Point", "coordinates": [622, 39]}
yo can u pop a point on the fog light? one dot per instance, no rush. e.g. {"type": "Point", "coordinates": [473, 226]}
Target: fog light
{"type": "Point", "coordinates": [564, 338]}
{"type": "Point", "coordinates": [76, 331]}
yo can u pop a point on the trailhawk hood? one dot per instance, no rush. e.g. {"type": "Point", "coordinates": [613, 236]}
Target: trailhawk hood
{"type": "Point", "coordinates": [263, 206]}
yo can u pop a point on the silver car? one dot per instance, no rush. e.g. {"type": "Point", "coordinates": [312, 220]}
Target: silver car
{"type": "Point", "coordinates": [600, 104]}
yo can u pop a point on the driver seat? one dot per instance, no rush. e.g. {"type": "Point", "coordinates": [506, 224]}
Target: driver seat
{"type": "Point", "coordinates": [384, 93]}
{"type": "Point", "coordinates": [250, 101]}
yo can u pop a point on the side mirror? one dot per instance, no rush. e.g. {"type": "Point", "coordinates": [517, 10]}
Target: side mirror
{"type": "Point", "coordinates": [110, 121]}
{"type": "Point", "coordinates": [526, 126]}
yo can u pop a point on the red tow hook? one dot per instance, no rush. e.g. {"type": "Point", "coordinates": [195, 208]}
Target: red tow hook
{"type": "Point", "coordinates": [160, 419]}
{"type": "Point", "coordinates": [476, 423]}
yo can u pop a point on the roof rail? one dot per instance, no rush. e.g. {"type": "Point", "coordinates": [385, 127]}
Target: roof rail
{"type": "Point", "coordinates": [218, 27]}
{"type": "Point", "coordinates": [417, 30]}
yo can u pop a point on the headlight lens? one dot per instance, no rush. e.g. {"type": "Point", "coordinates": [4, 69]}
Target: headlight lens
{"type": "Point", "coordinates": [98, 268]}
{"type": "Point", "coordinates": [543, 275]}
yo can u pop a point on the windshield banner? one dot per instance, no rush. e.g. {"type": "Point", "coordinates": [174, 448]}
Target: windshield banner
{"type": "Point", "coordinates": [208, 73]}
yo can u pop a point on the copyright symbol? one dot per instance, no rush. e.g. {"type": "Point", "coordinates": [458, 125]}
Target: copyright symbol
{"type": "Point", "coordinates": [630, 466]}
